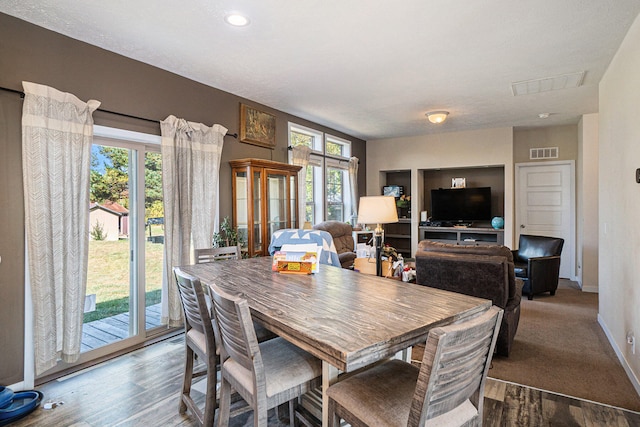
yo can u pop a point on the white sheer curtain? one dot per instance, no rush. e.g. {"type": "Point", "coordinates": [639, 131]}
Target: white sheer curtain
{"type": "Point", "coordinates": [190, 170]}
{"type": "Point", "coordinates": [300, 157]}
{"type": "Point", "coordinates": [57, 132]}
{"type": "Point", "coordinates": [353, 185]}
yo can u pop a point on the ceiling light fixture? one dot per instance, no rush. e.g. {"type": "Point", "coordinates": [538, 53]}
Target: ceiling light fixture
{"type": "Point", "coordinates": [544, 115]}
{"type": "Point", "coordinates": [236, 20]}
{"type": "Point", "coordinates": [437, 117]}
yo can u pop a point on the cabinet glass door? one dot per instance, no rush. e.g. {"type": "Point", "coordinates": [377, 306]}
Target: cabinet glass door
{"type": "Point", "coordinates": [277, 212]}
{"type": "Point", "coordinates": [241, 207]}
{"type": "Point", "coordinates": [257, 214]}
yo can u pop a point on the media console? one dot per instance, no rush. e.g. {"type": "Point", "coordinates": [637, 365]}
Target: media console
{"type": "Point", "coordinates": [462, 235]}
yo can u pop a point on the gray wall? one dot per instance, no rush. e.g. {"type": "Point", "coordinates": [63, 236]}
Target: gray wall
{"type": "Point", "coordinates": [32, 53]}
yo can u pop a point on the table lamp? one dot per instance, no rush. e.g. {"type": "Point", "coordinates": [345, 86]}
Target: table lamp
{"type": "Point", "coordinates": [377, 210]}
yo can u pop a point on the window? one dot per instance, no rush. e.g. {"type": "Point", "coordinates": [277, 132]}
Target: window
{"type": "Point", "coordinates": [327, 179]}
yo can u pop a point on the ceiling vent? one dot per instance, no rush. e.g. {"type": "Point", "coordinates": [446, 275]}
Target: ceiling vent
{"type": "Point", "coordinates": [563, 81]}
{"type": "Point", "coordinates": [543, 153]}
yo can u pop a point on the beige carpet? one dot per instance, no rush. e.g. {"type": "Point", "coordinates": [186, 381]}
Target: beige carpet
{"type": "Point", "coordinates": [560, 347]}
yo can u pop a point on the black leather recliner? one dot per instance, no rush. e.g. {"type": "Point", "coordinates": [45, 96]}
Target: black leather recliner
{"type": "Point", "coordinates": [537, 263]}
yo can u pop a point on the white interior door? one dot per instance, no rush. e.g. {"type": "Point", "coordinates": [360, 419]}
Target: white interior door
{"type": "Point", "coordinates": [545, 206]}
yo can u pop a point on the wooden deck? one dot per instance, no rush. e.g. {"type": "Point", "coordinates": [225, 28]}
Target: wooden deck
{"type": "Point", "coordinates": [105, 331]}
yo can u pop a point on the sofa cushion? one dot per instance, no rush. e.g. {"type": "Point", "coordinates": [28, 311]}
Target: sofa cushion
{"type": "Point", "coordinates": [490, 250]}
{"type": "Point", "coordinates": [482, 276]}
{"type": "Point", "coordinates": [498, 250]}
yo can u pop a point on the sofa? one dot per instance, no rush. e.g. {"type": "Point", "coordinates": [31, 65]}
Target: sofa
{"type": "Point", "coordinates": [485, 271]}
{"type": "Point", "coordinates": [537, 263]}
{"type": "Point", "coordinates": [342, 234]}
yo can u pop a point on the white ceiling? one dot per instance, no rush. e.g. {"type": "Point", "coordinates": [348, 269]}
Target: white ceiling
{"type": "Point", "coordinates": [373, 68]}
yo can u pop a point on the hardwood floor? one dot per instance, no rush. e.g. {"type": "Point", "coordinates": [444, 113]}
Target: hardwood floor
{"type": "Point", "coordinates": [141, 389]}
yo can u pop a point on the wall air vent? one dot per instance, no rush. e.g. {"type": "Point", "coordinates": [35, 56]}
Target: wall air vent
{"type": "Point", "coordinates": [546, 84]}
{"type": "Point", "coordinates": [543, 153]}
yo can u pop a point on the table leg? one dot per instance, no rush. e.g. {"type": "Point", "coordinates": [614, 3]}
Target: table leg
{"type": "Point", "coordinates": [329, 376]}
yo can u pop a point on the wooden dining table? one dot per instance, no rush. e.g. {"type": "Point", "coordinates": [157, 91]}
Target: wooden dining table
{"type": "Point", "coordinates": [347, 319]}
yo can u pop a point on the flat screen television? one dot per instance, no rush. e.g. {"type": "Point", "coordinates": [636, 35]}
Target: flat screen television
{"type": "Point", "coordinates": [461, 205]}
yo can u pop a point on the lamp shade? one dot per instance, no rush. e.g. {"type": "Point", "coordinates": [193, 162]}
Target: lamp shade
{"type": "Point", "coordinates": [377, 210]}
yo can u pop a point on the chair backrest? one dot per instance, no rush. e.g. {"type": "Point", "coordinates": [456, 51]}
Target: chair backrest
{"type": "Point", "coordinates": [235, 332]}
{"type": "Point", "coordinates": [530, 246]}
{"type": "Point", "coordinates": [194, 305]}
{"type": "Point", "coordinates": [455, 365]}
{"type": "Point", "coordinates": [216, 254]}
{"type": "Point", "coordinates": [341, 232]}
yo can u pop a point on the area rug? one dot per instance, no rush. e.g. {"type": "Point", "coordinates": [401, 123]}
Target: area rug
{"type": "Point", "coordinates": [560, 347]}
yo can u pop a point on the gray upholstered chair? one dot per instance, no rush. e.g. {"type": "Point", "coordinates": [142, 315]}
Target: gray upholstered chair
{"type": "Point", "coordinates": [265, 375]}
{"type": "Point", "coordinates": [342, 234]}
{"type": "Point", "coordinates": [199, 341]}
{"type": "Point", "coordinates": [447, 390]}
{"type": "Point", "coordinates": [216, 254]}
{"type": "Point", "coordinates": [537, 263]}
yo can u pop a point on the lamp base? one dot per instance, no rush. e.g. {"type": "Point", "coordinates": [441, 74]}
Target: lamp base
{"type": "Point", "coordinates": [378, 239]}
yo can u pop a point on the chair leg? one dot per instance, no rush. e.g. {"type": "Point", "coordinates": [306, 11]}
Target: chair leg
{"type": "Point", "coordinates": [225, 403]}
{"type": "Point", "coordinates": [292, 413]}
{"type": "Point", "coordinates": [187, 377]}
{"type": "Point", "coordinates": [260, 414]}
{"type": "Point", "coordinates": [210, 404]}
{"type": "Point", "coordinates": [334, 419]}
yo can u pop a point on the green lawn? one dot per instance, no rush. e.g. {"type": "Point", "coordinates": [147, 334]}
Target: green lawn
{"type": "Point", "coordinates": [108, 276]}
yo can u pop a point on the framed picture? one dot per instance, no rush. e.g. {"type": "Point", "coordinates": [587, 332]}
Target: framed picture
{"type": "Point", "coordinates": [257, 127]}
{"type": "Point", "coordinates": [392, 190]}
{"type": "Point", "coordinates": [458, 182]}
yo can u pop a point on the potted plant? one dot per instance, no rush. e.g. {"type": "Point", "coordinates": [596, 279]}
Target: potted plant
{"type": "Point", "coordinates": [227, 236]}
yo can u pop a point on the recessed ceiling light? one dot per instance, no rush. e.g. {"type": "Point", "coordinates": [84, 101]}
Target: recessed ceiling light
{"type": "Point", "coordinates": [236, 20]}
{"type": "Point", "coordinates": [544, 115]}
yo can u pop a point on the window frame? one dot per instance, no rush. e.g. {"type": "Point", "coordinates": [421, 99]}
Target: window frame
{"type": "Point", "coordinates": [322, 161]}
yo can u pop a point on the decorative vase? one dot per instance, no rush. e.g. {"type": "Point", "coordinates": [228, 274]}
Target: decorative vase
{"type": "Point", "coordinates": [497, 222]}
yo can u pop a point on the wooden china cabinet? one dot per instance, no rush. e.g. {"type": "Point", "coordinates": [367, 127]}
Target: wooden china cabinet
{"type": "Point", "coordinates": [264, 200]}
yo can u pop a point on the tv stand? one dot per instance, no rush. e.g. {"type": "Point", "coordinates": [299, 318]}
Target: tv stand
{"type": "Point", "coordinates": [462, 235]}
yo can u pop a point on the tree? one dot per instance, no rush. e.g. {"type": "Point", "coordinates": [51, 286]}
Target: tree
{"type": "Point", "coordinates": [110, 178]}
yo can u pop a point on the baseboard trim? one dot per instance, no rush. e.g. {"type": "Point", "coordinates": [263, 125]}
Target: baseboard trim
{"type": "Point", "coordinates": [623, 361]}
{"type": "Point", "coordinates": [593, 289]}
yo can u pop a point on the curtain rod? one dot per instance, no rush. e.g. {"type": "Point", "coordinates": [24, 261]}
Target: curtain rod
{"type": "Point", "coordinates": [235, 135]}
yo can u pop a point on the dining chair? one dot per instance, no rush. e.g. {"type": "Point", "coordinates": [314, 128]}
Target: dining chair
{"type": "Point", "coordinates": [266, 375]}
{"type": "Point", "coordinates": [205, 255]}
{"type": "Point", "coordinates": [216, 254]}
{"type": "Point", "coordinates": [199, 342]}
{"type": "Point", "coordinates": [447, 389]}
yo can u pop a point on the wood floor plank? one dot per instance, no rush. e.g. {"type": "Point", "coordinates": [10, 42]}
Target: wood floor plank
{"type": "Point", "coordinates": [493, 410]}
{"type": "Point", "coordinates": [597, 415]}
{"type": "Point", "coordinates": [561, 412]}
{"type": "Point", "coordinates": [495, 390]}
{"type": "Point", "coordinates": [523, 407]}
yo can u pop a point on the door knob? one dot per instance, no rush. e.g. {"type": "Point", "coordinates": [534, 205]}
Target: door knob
{"type": "Point", "coordinates": [522, 226]}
